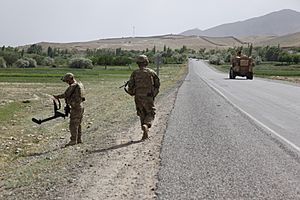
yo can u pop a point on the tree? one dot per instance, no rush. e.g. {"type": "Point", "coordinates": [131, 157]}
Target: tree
{"type": "Point", "coordinates": [154, 50]}
{"type": "Point", "coordinates": [10, 57]}
{"type": "Point", "coordinates": [296, 58]}
{"type": "Point", "coordinates": [183, 49]}
{"type": "Point", "coordinates": [258, 60]}
{"type": "Point", "coordinates": [50, 52]}
{"type": "Point", "coordinates": [81, 63]}
{"type": "Point", "coordinates": [35, 48]}
{"type": "Point", "coordinates": [272, 53]}
{"type": "Point", "coordinates": [2, 63]}
{"type": "Point", "coordinates": [22, 63]}
{"type": "Point", "coordinates": [216, 59]}
{"type": "Point", "coordinates": [32, 62]}
{"type": "Point", "coordinates": [38, 58]}
{"type": "Point", "coordinates": [48, 61]}
{"type": "Point", "coordinates": [285, 57]}
{"type": "Point", "coordinates": [118, 51]}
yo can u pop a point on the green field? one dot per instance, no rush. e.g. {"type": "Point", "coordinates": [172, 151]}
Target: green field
{"type": "Point", "coordinates": [50, 79]}
{"type": "Point", "coordinates": [43, 75]}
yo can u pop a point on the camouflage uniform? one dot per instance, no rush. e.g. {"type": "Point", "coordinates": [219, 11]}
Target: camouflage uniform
{"type": "Point", "coordinates": [144, 85]}
{"type": "Point", "coordinates": [74, 96]}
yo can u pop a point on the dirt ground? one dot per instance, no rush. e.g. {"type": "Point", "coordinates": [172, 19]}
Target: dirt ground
{"type": "Point", "coordinates": [126, 170]}
{"type": "Point", "coordinates": [112, 163]}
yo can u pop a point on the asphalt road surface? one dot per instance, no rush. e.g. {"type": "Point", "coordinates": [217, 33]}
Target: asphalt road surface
{"type": "Point", "coordinates": [231, 139]}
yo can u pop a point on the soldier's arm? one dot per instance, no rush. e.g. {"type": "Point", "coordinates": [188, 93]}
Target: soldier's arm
{"type": "Point", "coordinates": [131, 85]}
{"type": "Point", "coordinates": [156, 84]}
{"type": "Point", "coordinates": [66, 94]}
{"type": "Point", "coordinates": [60, 96]}
{"type": "Point", "coordinates": [131, 81]}
{"type": "Point", "coordinates": [156, 80]}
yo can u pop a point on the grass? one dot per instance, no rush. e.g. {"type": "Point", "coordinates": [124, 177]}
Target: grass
{"type": "Point", "coordinates": [47, 75]}
{"type": "Point", "coordinates": [8, 110]}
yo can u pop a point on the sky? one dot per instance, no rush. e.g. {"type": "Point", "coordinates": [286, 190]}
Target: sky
{"type": "Point", "coordinates": [31, 21]}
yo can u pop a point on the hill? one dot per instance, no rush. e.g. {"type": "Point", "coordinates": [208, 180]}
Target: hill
{"type": "Point", "coordinates": [290, 40]}
{"type": "Point", "coordinates": [142, 43]}
{"type": "Point", "coordinates": [177, 41]}
{"type": "Point", "coordinates": [276, 23]}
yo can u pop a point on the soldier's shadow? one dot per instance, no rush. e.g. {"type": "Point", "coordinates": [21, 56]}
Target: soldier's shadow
{"type": "Point", "coordinates": [114, 147]}
{"type": "Point", "coordinates": [88, 151]}
{"type": "Point", "coordinates": [43, 153]}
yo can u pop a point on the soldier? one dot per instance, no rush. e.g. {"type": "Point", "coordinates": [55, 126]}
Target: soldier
{"type": "Point", "coordinates": [144, 85]}
{"type": "Point", "coordinates": [74, 97]}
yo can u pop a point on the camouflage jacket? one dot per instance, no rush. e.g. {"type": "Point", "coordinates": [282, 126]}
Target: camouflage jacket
{"type": "Point", "coordinates": [74, 94]}
{"type": "Point", "coordinates": [144, 82]}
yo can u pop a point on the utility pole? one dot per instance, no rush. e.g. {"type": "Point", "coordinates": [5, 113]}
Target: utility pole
{"type": "Point", "coordinates": [133, 31]}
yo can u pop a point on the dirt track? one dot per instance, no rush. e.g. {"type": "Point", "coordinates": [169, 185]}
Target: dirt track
{"type": "Point", "coordinates": [126, 170]}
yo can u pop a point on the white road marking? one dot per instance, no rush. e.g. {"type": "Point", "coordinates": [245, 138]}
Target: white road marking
{"type": "Point", "coordinates": [250, 116]}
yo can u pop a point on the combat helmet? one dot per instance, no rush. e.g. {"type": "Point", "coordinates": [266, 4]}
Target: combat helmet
{"type": "Point", "coordinates": [67, 76]}
{"type": "Point", "coordinates": [142, 59]}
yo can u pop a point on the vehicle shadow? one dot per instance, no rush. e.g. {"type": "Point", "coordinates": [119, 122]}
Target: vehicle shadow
{"type": "Point", "coordinates": [241, 78]}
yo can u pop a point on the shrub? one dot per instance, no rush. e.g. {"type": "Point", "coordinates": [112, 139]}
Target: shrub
{"type": "Point", "coordinates": [48, 61]}
{"type": "Point", "coordinates": [81, 63]}
{"type": "Point", "coordinates": [257, 60]}
{"type": "Point", "coordinates": [22, 63]}
{"type": "Point", "coordinates": [216, 60]}
{"type": "Point", "coordinates": [26, 63]}
{"type": "Point", "coordinates": [60, 61]}
{"type": "Point", "coordinates": [38, 58]}
{"type": "Point", "coordinates": [32, 62]}
{"type": "Point", "coordinates": [2, 63]}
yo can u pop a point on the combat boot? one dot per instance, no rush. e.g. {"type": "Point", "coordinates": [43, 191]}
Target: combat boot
{"type": "Point", "coordinates": [145, 132]}
{"type": "Point", "coordinates": [71, 143]}
{"type": "Point", "coordinates": [79, 141]}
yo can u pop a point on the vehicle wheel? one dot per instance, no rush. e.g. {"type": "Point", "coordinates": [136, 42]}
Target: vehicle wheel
{"type": "Point", "coordinates": [231, 74]}
{"type": "Point", "coordinates": [250, 76]}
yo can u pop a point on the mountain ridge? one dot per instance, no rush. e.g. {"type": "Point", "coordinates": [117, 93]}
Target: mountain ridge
{"type": "Point", "coordinates": [276, 23]}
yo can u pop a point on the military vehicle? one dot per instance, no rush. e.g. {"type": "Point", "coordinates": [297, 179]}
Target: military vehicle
{"type": "Point", "coordinates": [241, 66]}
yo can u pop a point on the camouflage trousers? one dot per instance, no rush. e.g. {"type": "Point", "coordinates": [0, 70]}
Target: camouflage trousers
{"type": "Point", "coordinates": [76, 116]}
{"type": "Point", "coordinates": [145, 109]}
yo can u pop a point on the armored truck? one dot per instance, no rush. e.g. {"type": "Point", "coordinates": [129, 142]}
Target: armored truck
{"type": "Point", "coordinates": [241, 66]}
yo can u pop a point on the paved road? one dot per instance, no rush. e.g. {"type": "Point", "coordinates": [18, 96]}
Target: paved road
{"type": "Point", "coordinates": [212, 150]}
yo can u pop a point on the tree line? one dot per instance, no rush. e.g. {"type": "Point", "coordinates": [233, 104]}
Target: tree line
{"type": "Point", "coordinates": [35, 56]}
